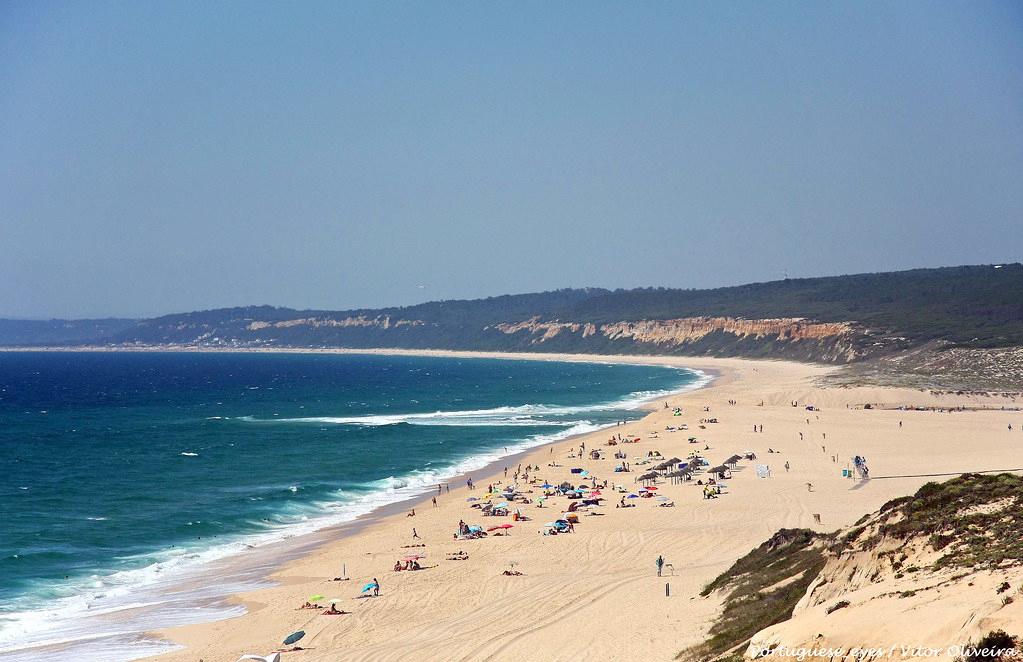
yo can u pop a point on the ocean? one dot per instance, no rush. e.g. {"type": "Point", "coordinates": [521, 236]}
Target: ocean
{"type": "Point", "coordinates": [143, 487]}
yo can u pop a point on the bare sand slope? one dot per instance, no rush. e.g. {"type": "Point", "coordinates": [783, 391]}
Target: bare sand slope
{"type": "Point", "coordinates": [594, 594]}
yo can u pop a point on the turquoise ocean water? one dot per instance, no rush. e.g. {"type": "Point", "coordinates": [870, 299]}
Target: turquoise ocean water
{"type": "Point", "coordinates": [131, 476]}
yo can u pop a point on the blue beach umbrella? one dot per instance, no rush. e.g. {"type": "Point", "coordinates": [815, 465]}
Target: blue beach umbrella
{"type": "Point", "coordinates": [293, 637]}
{"type": "Point", "coordinates": [632, 496]}
{"type": "Point", "coordinates": [369, 587]}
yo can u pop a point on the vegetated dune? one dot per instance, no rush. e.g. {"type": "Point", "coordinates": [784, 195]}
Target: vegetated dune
{"type": "Point", "coordinates": [924, 577]}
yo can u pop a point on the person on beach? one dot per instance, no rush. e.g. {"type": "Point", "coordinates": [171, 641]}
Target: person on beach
{"type": "Point", "coordinates": [434, 502]}
{"type": "Point", "coordinates": [660, 564]}
{"type": "Point", "coordinates": [376, 588]}
{"type": "Point", "coordinates": [415, 536]}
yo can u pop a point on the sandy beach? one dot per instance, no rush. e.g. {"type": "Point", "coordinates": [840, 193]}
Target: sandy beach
{"type": "Point", "coordinates": [595, 593]}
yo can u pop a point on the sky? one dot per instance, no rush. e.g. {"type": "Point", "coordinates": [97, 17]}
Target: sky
{"type": "Point", "coordinates": [160, 157]}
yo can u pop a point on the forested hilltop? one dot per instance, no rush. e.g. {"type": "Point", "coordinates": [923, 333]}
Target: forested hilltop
{"type": "Point", "coordinates": [836, 319]}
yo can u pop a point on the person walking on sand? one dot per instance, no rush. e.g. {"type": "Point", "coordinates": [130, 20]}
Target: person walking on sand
{"type": "Point", "coordinates": [376, 588]}
{"type": "Point", "coordinates": [415, 535]}
{"type": "Point", "coordinates": [434, 502]}
{"type": "Point", "coordinates": [786, 465]}
{"type": "Point", "coordinates": [660, 564]}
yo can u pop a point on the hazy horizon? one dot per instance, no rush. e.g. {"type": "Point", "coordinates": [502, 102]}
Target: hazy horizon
{"type": "Point", "coordinates": [165, 158]}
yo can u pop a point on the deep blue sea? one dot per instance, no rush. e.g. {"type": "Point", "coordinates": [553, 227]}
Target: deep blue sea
{"type": "Point", "coordinates": [128, 473]}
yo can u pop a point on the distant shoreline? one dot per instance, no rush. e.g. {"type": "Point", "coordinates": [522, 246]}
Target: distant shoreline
{"type": "Point", "coordinates": [672, 360]}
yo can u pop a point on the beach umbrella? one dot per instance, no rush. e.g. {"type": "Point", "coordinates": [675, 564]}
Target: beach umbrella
{"type": "Point", "coordinates": [500, 526]}
{"type": "Point", "coordinates": [651, 488]}
{"type": "Point", "coordinates": [368, 587]}
{"type": "Point", "coordinates": [414, 557]}
{"type": "Point", "coordinates": [293, 637]}
{"type": "Point", "coordinates": [314, 598]}
{"type": "Point", "coordinates": [632, 496]}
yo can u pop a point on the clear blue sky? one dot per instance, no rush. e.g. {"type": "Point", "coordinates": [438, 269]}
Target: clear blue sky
{"type": "Point", "coordinates": [169, 156]}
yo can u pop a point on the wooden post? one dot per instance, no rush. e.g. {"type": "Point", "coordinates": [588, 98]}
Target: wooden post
{"type": "Point", "coordinates": [667, 590]}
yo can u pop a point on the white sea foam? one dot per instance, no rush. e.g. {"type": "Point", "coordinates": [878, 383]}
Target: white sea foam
{"type": "Point", "coordinates": [521, 415]}
{"type": "Point", "coordinates": [104, 618]}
